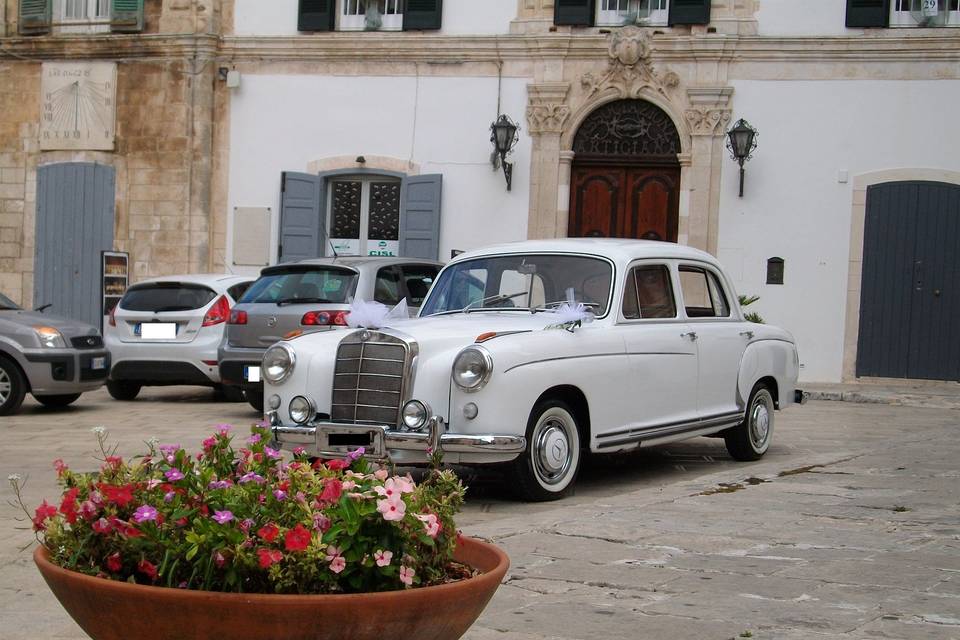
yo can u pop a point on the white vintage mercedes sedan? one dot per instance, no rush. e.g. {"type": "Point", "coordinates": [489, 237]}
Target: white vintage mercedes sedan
{"type": "Point", "coordinates": [528, 354]}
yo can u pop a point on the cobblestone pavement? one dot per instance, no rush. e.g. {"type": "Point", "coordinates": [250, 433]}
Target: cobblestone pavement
{"type": "Point", "coordinates": [848, 528]}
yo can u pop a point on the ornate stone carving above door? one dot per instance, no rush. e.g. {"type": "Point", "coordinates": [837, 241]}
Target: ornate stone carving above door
{"type": "Point", "coordinates": [630, 70]}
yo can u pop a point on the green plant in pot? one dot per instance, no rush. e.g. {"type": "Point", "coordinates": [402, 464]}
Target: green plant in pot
{"type": "Point", "coordinates": [236, 542]}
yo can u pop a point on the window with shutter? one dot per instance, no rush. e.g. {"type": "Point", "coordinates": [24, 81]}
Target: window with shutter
{"type": "Point", "coordinates": [126, 16]}
{"type": "Point", "coordinates": [924, 13]}
{"type": "Point", "coordinates": [689, 12]}
{"type": "Point", "coordinates": [647, 13]}
{"type": "Point", "coordinates": [868, 13]}
{"type": "Point", "coordinates": [577, 13]}
{"type": "Point", "coordinates": [423, 14]}
{"type": "Point", "coordinates": [34, 17]}
{"type": "Point", "coordinates": [316, 15]}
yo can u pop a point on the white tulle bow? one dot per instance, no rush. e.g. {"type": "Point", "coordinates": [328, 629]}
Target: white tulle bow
{"type": "Point", "coordinates": [374, 315]}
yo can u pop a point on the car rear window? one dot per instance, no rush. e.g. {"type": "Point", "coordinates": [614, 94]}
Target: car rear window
{"type": "Point", "coordinates": [319, 285]}
{"type": "Point", "coordinates": [167, 296]}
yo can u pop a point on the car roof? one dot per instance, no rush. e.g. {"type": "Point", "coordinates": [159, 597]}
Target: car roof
{"type": "Point", "coordinates": [621, 250]}
{"type": "Point", "coordinates": [220, 279]}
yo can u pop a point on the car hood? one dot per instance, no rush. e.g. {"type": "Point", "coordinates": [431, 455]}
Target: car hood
{"type": "Point", "coordinates": [67, 326]}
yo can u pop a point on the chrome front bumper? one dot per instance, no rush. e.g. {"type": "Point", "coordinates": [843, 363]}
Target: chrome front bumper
{"type": "Point", "coordinates": [336, 440]}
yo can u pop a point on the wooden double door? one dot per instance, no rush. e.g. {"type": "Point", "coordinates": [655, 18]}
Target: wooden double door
{"type": "Point", "coordinates": [624, 202]}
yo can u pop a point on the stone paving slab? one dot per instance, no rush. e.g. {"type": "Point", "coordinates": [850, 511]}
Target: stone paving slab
{"type": "Point", "coordinates": [672, 542]}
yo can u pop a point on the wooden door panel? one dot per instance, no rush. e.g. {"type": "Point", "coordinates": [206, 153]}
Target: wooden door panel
{"type": "Point", "coordinates": [651, 208]}
{"type": "Point", "coordinates": [597, 196]}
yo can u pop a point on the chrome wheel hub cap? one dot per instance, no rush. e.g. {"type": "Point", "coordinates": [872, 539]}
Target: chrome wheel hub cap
{"type": "Point", "coordinates": [760, 421]}
{"type": "Point", "coordinates": [552, 451]}
{"type": "Point", "coordinates": [4, 386]}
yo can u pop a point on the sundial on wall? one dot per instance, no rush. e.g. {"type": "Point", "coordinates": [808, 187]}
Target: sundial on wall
{"type": "Point", "coordinates": [78, 105]}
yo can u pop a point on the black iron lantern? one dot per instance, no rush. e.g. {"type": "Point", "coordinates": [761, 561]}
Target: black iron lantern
{"type": "Point", "coordinates": [504, 134]}
{"type": "Point", "coordinates": [741, 141]}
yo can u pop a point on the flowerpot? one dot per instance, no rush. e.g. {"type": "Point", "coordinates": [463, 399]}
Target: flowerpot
{"type": "Point", "coordinates": [109, 609]}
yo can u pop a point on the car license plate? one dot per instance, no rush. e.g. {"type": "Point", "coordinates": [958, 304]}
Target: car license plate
{"type": "Point", "coordinates": [158, 330]}
{"type": "Point", "coordinates": [98, 363]}
{"type": "Point", "coordinates": [251, 374]}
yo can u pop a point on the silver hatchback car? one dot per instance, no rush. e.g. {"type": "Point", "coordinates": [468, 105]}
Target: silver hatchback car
{"type": "Point", "coordinates": [54, 358]}
{"type": "Point", "coordinates": [311, 295]}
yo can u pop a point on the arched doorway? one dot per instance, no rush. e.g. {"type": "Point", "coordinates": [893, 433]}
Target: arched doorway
{"type": "Point", "coordinates": [625, 180]}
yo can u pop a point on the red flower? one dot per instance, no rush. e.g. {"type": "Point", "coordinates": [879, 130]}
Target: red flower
{"type": "Point", "coordinates": [268, 532]}
{"type": "Point", "coordinates": [114, 461]}
{"type": "Point", "coordinates": [120, 496]}
{"type": "Point", "coordinates": [148, 569]}
{"type": "Point", "coordinates": [102, 526]}
{"type": "Point", "coordinates": [297, 539]}
{"type": "Point", "coordinates": [43, 512]}
{"type": "Point", "coordinates": [332, 490]}
{"type": "Point", "coordinates": [68, 506]}
{"type": "Point", "coordinates": [337, 465]}
{"type": "Point", "coordinates": [114, 563]}
{"type": "Point", "coordinates": [268, 557]}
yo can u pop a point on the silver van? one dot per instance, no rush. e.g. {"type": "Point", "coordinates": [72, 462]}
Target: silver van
{"type": "Point", "coordinates": [307, 296]}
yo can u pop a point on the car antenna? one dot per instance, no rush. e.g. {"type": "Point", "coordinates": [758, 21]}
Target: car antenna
{"type": "Point", "coordinates": [334, 249]}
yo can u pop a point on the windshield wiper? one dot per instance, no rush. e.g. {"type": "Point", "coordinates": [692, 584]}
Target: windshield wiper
{"type": "Point", "coordinates": [284, 301]}
{"type": "Point", "coordinates": [173, 308]}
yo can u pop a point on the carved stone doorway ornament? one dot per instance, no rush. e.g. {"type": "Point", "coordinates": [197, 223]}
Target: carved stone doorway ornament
{"type": "Point", "coordinates": [630, 71]}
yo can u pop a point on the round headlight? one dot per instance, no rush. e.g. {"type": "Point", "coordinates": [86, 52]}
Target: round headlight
{"type": "Point", "coordinates": [278, 363]}
{"type": "Point", "coordinates": [301, 410]}
{"type": "Point", "coordinates": [415, 415]}
{"type": "Point", "coordinates": [472, 368]}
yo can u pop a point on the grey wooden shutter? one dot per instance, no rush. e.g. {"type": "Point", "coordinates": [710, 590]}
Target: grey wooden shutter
{"type": "Point", "coordinates": [420, 216]}
{"type": "Point", "coordinates": [868, 13]}
{"type": "Point", "coordinates": [316, 15]}
{"type": "Point", "coordinates": [74, 223]}
{"type": "Point", "coordinates": [302, 217]}
{"type": "Point", "coordinates": [422, 14]}
{"type": "Point", "coordinates": [577, 13]}
{"type": "Point", "coordinates": [689, 12]}
{"type": "Point", "coordinates": [34, 16]}
{"type": "Point", "coordinates": [126, 15]}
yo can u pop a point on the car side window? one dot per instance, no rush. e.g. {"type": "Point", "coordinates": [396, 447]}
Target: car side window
{"type": "Point", "coordinates": [703, 296]}
{"type": "Point", "coordinates": [386, 289]}
{"type": "Point", "coordinates": [417, 279]}
{"type": "Point", "coordinates": [238, 290]}
{"type": "Point", "coordinates": [649, 293]}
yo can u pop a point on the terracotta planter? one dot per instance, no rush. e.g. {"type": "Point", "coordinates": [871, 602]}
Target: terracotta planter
{"type": "Point", "coordinates": [108, 609]}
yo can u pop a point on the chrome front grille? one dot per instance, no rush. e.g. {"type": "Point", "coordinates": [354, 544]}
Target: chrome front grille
{"type": "Point", "coordinates": [369, 379]}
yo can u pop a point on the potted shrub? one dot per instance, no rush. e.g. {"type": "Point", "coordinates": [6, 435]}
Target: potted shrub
{"type": "Point", "coordinates": [236, 542]}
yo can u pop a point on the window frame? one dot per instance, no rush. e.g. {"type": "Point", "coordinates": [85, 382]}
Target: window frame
{"type": "Point", "coordinates": [357, 21]}
{"type": "Point", "coordinates": [93, 22]}
{"type": "Point", "coordinates": [712, 277]}
{"type": "Point", "coordinates": [366, 181]}
{"type": "Point", "coordinates": [901, 18]}
{"type": "Point", "coordinates": [630, 275]}
{"type": "Point", "coordinates": [614, 17]}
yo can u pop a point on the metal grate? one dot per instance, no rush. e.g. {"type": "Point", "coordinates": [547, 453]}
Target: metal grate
{"type": "Point", "coordinates": [368, 382]}
{"type": "Point", "coordinates": [87, 342]}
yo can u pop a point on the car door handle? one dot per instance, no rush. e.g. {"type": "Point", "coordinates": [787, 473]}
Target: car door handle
{"type": "Point", "coordinates": [689, 334]}
{"type": "Point", "coordinates": [747, 334]}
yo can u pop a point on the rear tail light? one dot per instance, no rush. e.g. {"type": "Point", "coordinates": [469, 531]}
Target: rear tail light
{"type": "Point", "coordinates": [218, 313]}
{"type": "Point", "coordinates": [113, 316]}
{"type": "Point", "coordinates": [238, 317]}
{"type": "Point", "coordinates": [324, 318]}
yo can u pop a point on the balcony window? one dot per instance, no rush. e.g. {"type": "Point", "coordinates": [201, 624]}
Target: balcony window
{"type": "Point", "coordinates": [925, 13]}
{"type": "Point", "coordinates": [371, 15]}
{"type": "Point", "coordinates": [82, 16]}
{"type": "Point", "coordinates": [613, 13]}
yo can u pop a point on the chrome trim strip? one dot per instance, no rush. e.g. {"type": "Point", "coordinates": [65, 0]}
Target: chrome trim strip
{"type": "Point", "coordinates": [659, 431]}
{"type": "Point", "coordinates": [601, 355]}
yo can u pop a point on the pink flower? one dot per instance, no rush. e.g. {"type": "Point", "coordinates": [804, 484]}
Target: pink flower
{"type": "Point", "coordinates": [223, 517]}
{"type": "Point", "coordinates": [394, 487]}
{"type": "Point", "coordinates": [431, 523]}
{"type": "Point", "coordinates": [349, 485]}
{"type": "Point", "coordinates": [173, 475]}
{"type": "Point", "coordinates": [406, 575]}
{"type": "Point", "coordinates": [153, 483]}
{"type": "Point", "coordinates": [380, 474]}
{"type": "Point", "coordinates": [299, 451]}
{"type": "Point", "coordinates": [209, 443]}
{"type": "Point", "coordinates": [102, 526]}
{"type": "Point", "coordinates": [382, 557]}
{"type": "Point", "coordinates": [332, 552]}
{"type": "Point", "coordinates": [254, 439]}
{"type": "Point", "coordinates": [338, 564]}
{"type": "Point", "coordinates": [88, 510]}
{"type": "Point", "coordinates": [392, 508]}
{"type": "Point", "coordinates": [219, 560]}
{"type": "Point", "coordinates": [224, 429]}
{"type": "Point", "coordinates": [321, 522]}
{"type": "Point", "coordinates": [405, 484]}
{"type": "Point", "coordinates": [271, 453]}
{"type": "Point", "coordinates": [60, 466]}
{"type": "Point", "coordinates": [144, 513]}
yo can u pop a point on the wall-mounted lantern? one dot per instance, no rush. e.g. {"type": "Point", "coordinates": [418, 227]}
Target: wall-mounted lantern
{"type": "Point", "coordinates": [504, 134]}
{"type": "Point", "coordinates": [741, 141]}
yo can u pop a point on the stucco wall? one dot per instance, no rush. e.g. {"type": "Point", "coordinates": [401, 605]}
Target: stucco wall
{"type": "Point", "coordinates": [475, 17]}
{"type": "Point", "coordinates": [285, 122]}
{"type": "Point", "coordinates": [803, 17]}
{"type": "Point", "coordinates": [794, 206]}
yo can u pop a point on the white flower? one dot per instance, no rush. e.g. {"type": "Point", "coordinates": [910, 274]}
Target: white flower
{"type": "Point", "coordinates": [14, 477]}
{"type": "Point", "coordinates": [153, 442]}
{"type": "Point", "coordinates": [98, 431]}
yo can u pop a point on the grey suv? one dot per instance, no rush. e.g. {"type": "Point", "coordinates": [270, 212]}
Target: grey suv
{"type": "Point", "coordinates": [311, 295]}
{"type": "Point", "coordinates": [54, 358]}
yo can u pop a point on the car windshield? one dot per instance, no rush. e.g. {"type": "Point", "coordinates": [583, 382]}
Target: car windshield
{"type": "Point", "coordinates": [528, 281]}
{"type": "Point", "coordinates": [6, 304]}
{"type": "Point", "coordinates": [317, 285]}
{"type": "Point", "coordinates": [166, 296]}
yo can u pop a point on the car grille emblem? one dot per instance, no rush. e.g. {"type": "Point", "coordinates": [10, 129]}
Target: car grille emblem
{"type": "Point", "coordinates": [91, 341]}
{"type": "Point", "coordinates": [365, 335]}
{"type": "Point", "coordinates": [272, 321]}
